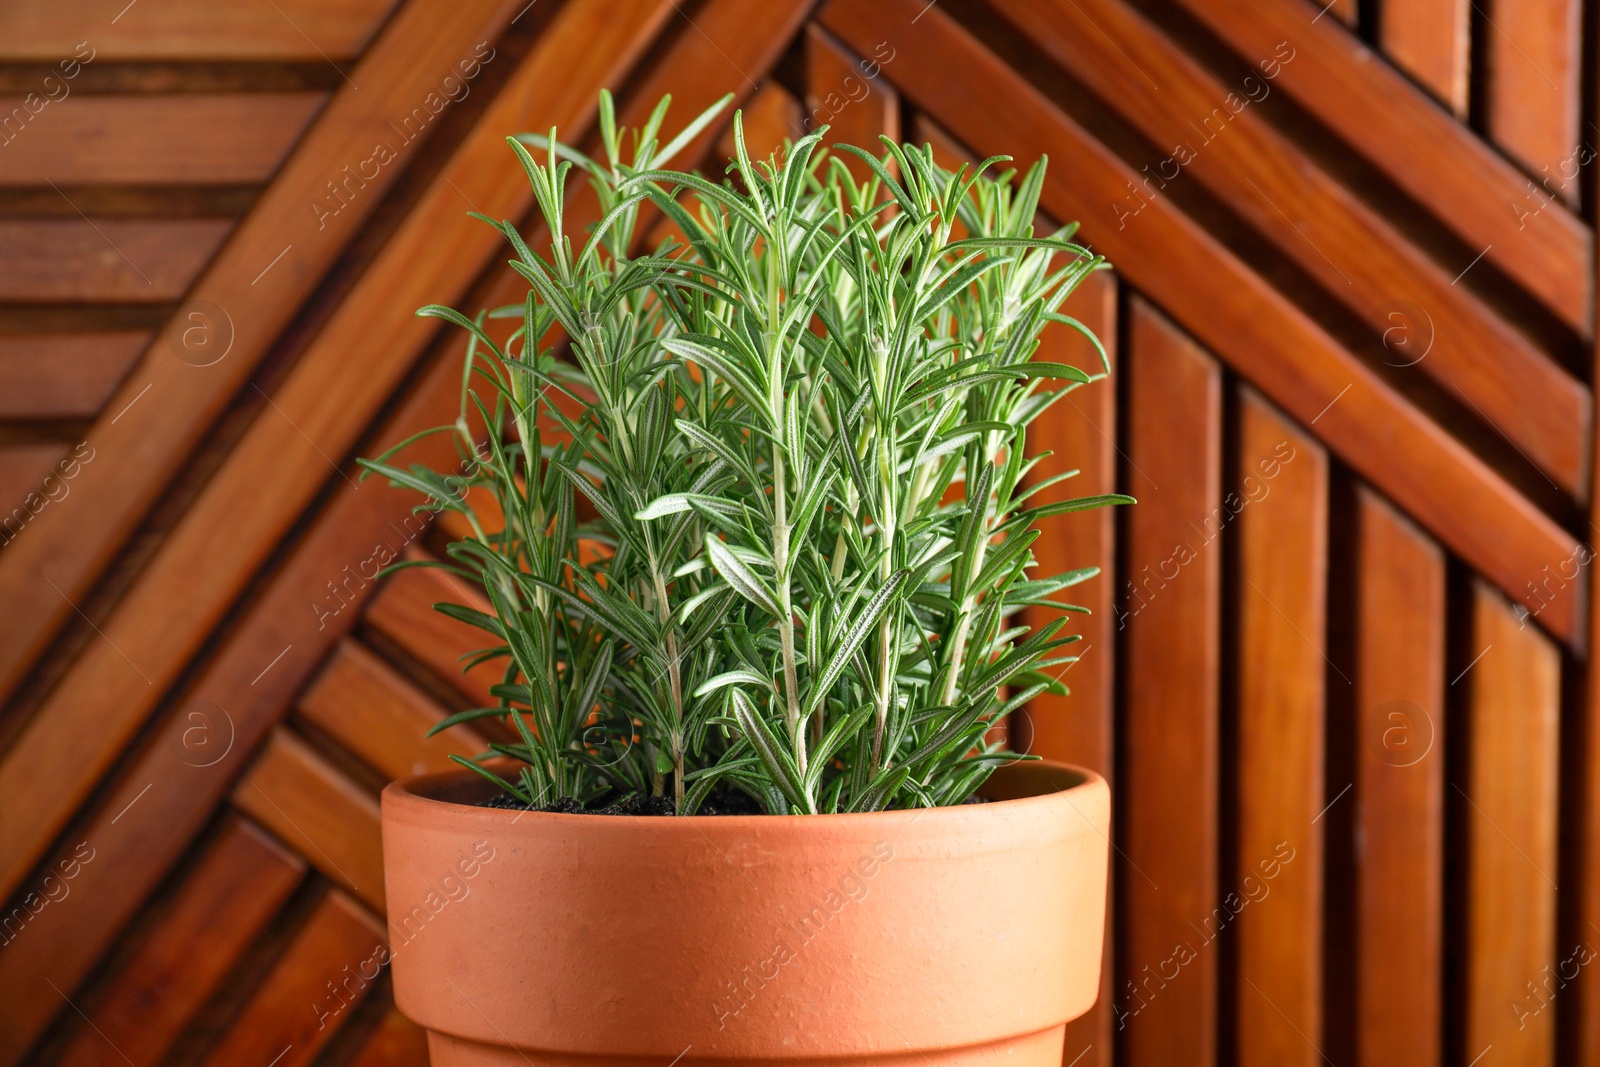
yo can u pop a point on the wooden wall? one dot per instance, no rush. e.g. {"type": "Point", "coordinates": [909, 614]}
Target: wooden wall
{"type": "Point", "coordinates": [1337, 673]}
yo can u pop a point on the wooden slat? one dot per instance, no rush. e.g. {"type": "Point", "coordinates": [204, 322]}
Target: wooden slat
{"type": "Point", "coordinates": [23, 494]}
{"type": "Point", "coordinates": [80, 261]}
{"type": "Point", "coordinates": [1167, 878]}
{"type": "Point", "coordinates": [770, 116]}
{"type": "Point", "coordinates": [1507, 807]}
{"type": "Point", "coordinates": [157, 139]}
{"type": "Point", "coordinates": [293, 1015]}
{"type": "Point", "coordinates": [259, 280]}
{"type": "Point", "coordinates": [1313, 219]}
{"type": "Point", "coordinates": [1225, 304]}
{"type": "Point", "coordinates": [201, 934]}
{"type": "Point", "coordinates": [279, 632]}
{"type": "Point", "coordinates": [1429, 40]}
{"type": "Point", "coordinates": [1533, 101]}
{"type": "Point", "coordinates": [327, 30]}
{"type": "Point", "coordinates": [362, 703]}
{"type": "Point", "coordinates": [403, 612]}
{"type": "Point", "coordinates": [1281, 487]}
{"type": "Point", "coordinates": [1444, 167]}
{"type": "Point", "coordinates": [395, 1042]}
{"type": "Point", "coordinates": [64, 376]}
{"type": "Point", "coordinates": [319, 812]}
{"type": "Point", "coordinates": [1387, 969]}
{"type": "Point", "coordinates": [1082, 433]}
{"type": "Point", "coordinates": [857, 109]}
{"type": "Point", "coordinates": [281, 462]}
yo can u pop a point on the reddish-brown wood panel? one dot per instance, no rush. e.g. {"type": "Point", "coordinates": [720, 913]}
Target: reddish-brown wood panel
{"type": "Point", "coordinates": [229, 321]}
{"type": "Point", "coordinates": [1389, 966]}
{"type": "Point", "coordinates": [1226, 304]}
{"type": "Point", "coordinates": [81, 260]}
{"type": "Point", "coordinates": [325, 817]}
{"type": "Point", "coordinates": [1439, 162]}
{"type": "Point", "coordinates": [1359, 258]}
{"type": "Point", "coordinates": [276, 469]}
{"type": "Point", "coordinates": [1533, 100]}
{"type": "Point", "coordinates": [1506, 807]}
{"type": "Point", "coordinates": [403, 613]}
{"type": "Point", "coordinates": [158, 139]}
{"type": "Point", "coordinates": [64, 376]}
{"type": "Point", "coordinates": [1279, 486]}
{"type": "Point", "coordinates": [109, 30]}
{"type": "Point", "coordinates": [845, 94]}
{"type": "Point", "coordinates": [1429, 40]}
{"type": "Point", "coordinates": [23, 491]}
{"type": "Point", "coordinates": [312, 991]}
{"type": "Point", "coordinates": [1168, 912]}
{"type": "Point", "coordinates": [1078, 728]}
{"type": "Point", "coordinates": [201, 933]}
{"type": "Point", "coordinates": [369, 709]}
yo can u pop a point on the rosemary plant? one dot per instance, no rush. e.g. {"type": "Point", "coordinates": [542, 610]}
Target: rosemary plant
{"type": "Point", "coordinates": [751, 506]}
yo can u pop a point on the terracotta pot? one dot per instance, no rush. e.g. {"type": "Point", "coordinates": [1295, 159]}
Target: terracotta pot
{"type": "Point", "coordinates": [966, 935]}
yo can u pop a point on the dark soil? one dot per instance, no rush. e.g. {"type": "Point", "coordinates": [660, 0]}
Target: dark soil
{"type": "Point", "coordinates": [726, 802]}
{"type": "Point", "coordinates": [722, 802]}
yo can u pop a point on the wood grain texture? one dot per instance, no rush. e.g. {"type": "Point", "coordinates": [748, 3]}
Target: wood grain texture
{"type": "Point", "coordinates": [1227, 306]}
{"type": "Point", "coordinates": [268, 268]}
{"type": "Point", "coordinates": [201, 933]}
{"type": "Point", "coordinates": [23, 490]}
{"type": "Point", "coordinates": [1443, 166]}
{"type": "Point", "coordinates": [1394, 724]}
{"type": "Point", "coordinates": [156, 139]}
{"type": "Point", "coordinates": [327, 30]}
{"type": "Point", "coordinates": [1358, 257]}
{"type": "Point", "coordinates": [64, 376]}
{"type": "Point", "coordinates": [311, 992]}
{"type": "Point", "coordinates": [403, 612]}
{"type": "Point", "coordinates": [1168, 918]}
{"type": "Point", "coordinates": [369, 709]}
{"type": "Point", "coordinates": [235, 693]}
{"type": "Point", "coordinates": [1507, 809]}
{"type": "Point", "coordinates": [317, 413]}
{"type": "Point", "coordinates": [1280, 487]}
{"type": "Point", "coordinates": [136, 261]}
{"type": "Point", "coordinates": [1429, 40]}
{"type": "Point", "coordinates": [319, 812]}
{"type": "Point", "coordinates": [845, 93]}
{"type": "Point", "coordinates": [1533, 97]}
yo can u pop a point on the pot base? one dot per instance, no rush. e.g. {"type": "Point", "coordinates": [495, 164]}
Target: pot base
{"type": "Point", "coordinates": [1042, 1049]}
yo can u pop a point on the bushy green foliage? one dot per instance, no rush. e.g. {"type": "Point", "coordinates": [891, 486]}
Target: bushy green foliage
{"type": "Point", "coordinates": [765, 494]}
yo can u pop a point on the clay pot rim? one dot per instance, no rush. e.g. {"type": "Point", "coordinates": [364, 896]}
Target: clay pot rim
{"type": "Point", "coordinates": [414, 796]}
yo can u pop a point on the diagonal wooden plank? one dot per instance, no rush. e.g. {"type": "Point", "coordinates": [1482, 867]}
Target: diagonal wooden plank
{"type": "Point", "coordinates": [367, 707]}
{"type": "Point", "coordinates": [856, 108]}
{"type": "Point", "coordinates": [394, 1042]}
{"type": "Point", "coordinates": [403, 612]}
{"type": "Point", "coordinates": [1429, 40]}
{"type": "Point", "coordinates": [283, 459]}
{"type": "Point", "coordinates": [1360, 259]}
{"type": "Point", "coordinates": [219, 335]}
{"type": "Point", "coordinates": [1445, 168]}
{"type": "Point", "coordinates": [318, 812]}
{"type": "Point", "coordinates": [309, 993]}
{"type": "Point", "coordinates": [1228, 307]}
{"type": "Point", "coordinates": [326, 30]}
{"type": "Point", "coordinates": [180, 138]}
{"type": "Point", "coordinates": [201, 934]}
{"type": "Point", "coordinates": [246, 685]}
